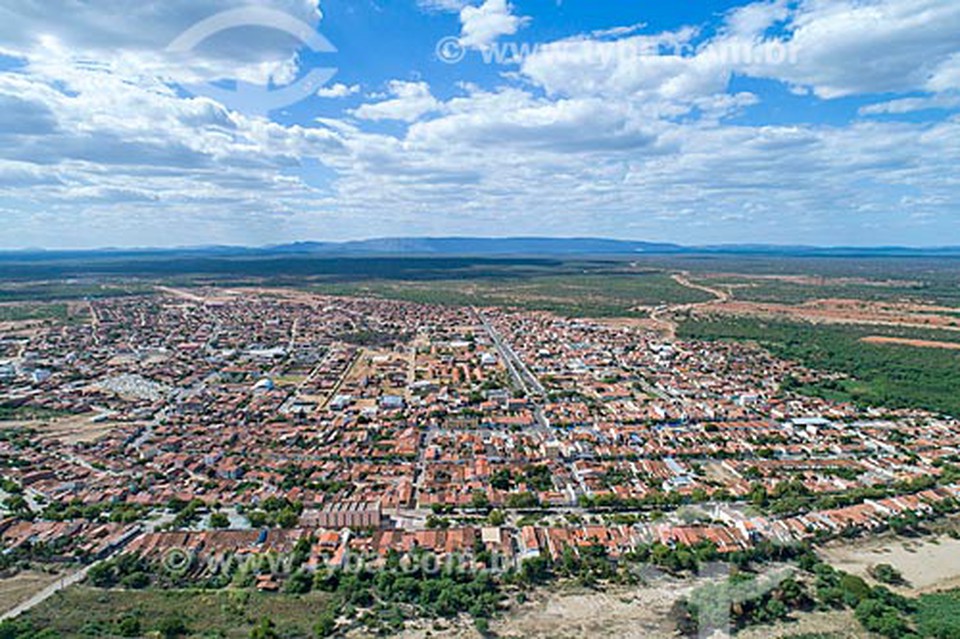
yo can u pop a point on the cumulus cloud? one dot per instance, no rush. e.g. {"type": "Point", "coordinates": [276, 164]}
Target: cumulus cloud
{"type": "Point", "coordinates": [338, 90]}
{"type": "Point", "coordinates": [485, 24]}
{"type": "Point", "coordinates": [409, 101]}
{"type": "Point", "coordinates": [97, 134]}
{"type": "Point", "coordinates": [647, 66]}
{"type": "Point", "coordinates": [847, 47]}
{"type": "Point", "coordinates": [135, 38]}
{"type": "Point", "coordinates": [618, 132]}
{"type": "Point", "coordinates": [19, 116]}
{"type": "Point", "coordinates": [912, 105]}
{"type": "Point", "coordinates": [515, 120]}
{"type": "Point", "coordinates": [449, 6]}
{"type": "Point", "coordinates": [834, 49]}
{"type": "Point", "coordinates": [754, 20]}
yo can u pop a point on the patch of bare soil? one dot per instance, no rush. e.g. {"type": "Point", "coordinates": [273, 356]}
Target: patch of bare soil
{"type": "Point", "coordinates": [839, 311]}
{"type": "Point", "coordinates": [17, 588]}
{"type": "Point", "coordinates": [927, 564]}
{"type": "Point", "coordinates": [811, 280]}
{"type": "Point", "coordinates": [640, 612]}
{"type": "Point", "coordinates": [841, 625]}
{"type": "Point", "coordinates": [642, 323]}
{"type": "Point", "coordinates": [919, 343]}
{"type": "Point", "coordinates": [70, 430]}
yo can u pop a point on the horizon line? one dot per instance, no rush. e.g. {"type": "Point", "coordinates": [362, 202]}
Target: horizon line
{"type": "Point", "coordinates": [478, 238]}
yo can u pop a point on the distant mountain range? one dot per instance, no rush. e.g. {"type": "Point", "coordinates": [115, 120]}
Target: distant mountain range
{"type": "Point", "coordinates": [478, 247]}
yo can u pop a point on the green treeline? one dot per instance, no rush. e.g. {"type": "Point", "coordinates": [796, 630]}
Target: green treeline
{"type": "Point", "coordinates": [879, 375]}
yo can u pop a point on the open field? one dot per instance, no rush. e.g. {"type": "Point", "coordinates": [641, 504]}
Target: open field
{"type": "Point", "coordinates": [794, 280]}
{"type": "Point", "coordinates": [586, 286]}
{"type": "Point", "coordinates": [41, 291]}
{"type": "Point", "coordinates": [32, 312]}
{"type": "Point", "coordinates": [639, 612]}
{"type": "Point", "coordinates": [847, 311]}
{"type": "Point", "coordinates": [612, 295]}
{"type": "Point", "coordinates": [570, 612]}
{"type": "Point", "coordinates": [636, 612]}
{"type": "Point", "coordinates": [69, 430]}
{"type": "Point", "coordinates": [801, 288]}
{"type": "Point", "coordinates": [24, 584]}
{"type": "Point", "coordinates": [927, 564]}
{"type": "Point", "coordinates": [17, 416]}
{"type": "Point", "coordinates": [232, 614]}
{"type": "Point", "coordinates": [52, 425]}
{"type": "Point", "coordinates": [811, 625]}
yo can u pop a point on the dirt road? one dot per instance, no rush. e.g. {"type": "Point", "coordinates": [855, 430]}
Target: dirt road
{"type": "Point", "coordinates": [37, 599]}
{"type": "Point", "coordinates": [663, 315]}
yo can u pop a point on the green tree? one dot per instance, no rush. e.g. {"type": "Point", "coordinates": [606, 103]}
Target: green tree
{"type": "Point", "coordinates": [129, 626]}
{"type": "Point", "coordinates": [887, 574]}
{"type": "Point", "coordinates": [326, 625]}
{"type": "Point", "coordinates": [264, 629]}
{"type": "Point", "coordinates": [219, 520]}
{"type": "Point", "coordinates": [299, 583]}
{"type": "Point", "coordinates": [480, 501]}
{"type": "Point", "coordinates": [172, 627]}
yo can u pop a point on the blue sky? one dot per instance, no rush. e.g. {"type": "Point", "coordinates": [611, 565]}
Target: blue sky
{"type": "Point", "coordinates": [783, 121]}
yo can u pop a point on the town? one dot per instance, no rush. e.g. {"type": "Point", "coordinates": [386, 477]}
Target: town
{"type": "Point", "coordinates": [245, 421]}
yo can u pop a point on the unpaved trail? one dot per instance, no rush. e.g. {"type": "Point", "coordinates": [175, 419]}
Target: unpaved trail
{"type": "Point", "coordinates": [66, 581]}
{"type": "Point", "coordinates": [918, 343]}
{"type": "Point", "coordinates": [663, 315]}
{"type": "Point", "coordinates": [46, 593]}
{"type": "Point", "coordinates": [721, 295]}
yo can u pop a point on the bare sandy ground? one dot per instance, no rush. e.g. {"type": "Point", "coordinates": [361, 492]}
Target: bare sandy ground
{"type": "Point", "coordinates": [841, 311]}
{"type": "Point", "coordinates": [927, 564]}
{"type": "Point", "coordinates": [69, 430]}
{"type": "Point", "coordinates": [897, 341]}
{"type": "Point", "coordinates": [811, 280]}
{"type": "Point", "coordinates": [627, 613]}
{"type": "Point", "coordinates": [21, 328]}
{"type": "Point", "coordinates": [640, 612]}
{"type": "Point", "coordinates": [841, 625]}
{"type": "Point", "coordinates": [20, 587]}
{"type": "Point", "coordinates": [641, 323]}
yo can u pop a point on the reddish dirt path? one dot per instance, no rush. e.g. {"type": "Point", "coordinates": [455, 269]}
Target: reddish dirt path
{"type": "Point", "coordinates": [919, 343]}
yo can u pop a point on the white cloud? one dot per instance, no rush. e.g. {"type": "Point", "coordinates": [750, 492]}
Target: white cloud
{"type": "Point", "coordinates": [912, 105]}
{"type": "Point", "coordinates": [834, 49]}
{"type": "Point", "coordinates": [618, 32]}
{"type": "Point", "coordinates": [848, 47]}
{"type": "Point", "coordinates": [449, 6]}
{"type": "Point", "coordinates": [98, 140]}
{"type": "Point", "coordinates": [754, 20]}
{"type": "Point", "coordinates": [483, 25]}
{"type": "Point", "coordinates": [947, 75]}
{"type": "Point", "coordinates": [514, 120]}
{"type": "Point", "coordinates": [648, 68]}
{"type": "Point", "coordinates": [133, 38]}
{"type": "Point", "coordinates": [338, 90]}
{"type": "Point", "coordinates": [588, 137]}
{"type": "Point", "coordinates": [409, 101]}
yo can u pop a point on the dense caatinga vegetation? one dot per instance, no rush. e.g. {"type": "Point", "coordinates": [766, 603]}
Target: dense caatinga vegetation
{"type": "Point", "coordinates": [880, 375]}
